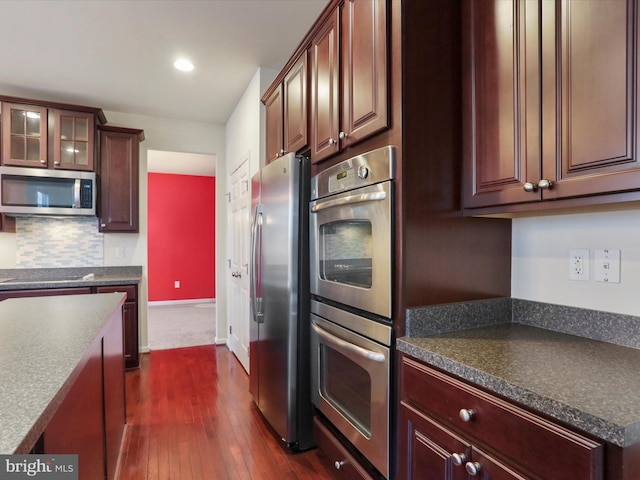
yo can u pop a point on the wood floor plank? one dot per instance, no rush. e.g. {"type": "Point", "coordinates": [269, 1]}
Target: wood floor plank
{"type": "Point", "coordinates": [190, 417]}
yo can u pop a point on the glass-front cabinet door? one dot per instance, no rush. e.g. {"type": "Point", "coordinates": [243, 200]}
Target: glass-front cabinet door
{"type": "Point", "coordinates": [24, 135]}
{"type": "Point", "coordinates": [73, 140]}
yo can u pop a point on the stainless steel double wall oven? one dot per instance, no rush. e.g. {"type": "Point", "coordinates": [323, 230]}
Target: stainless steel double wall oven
{"type": "Point", "coordinates": [351, 251]}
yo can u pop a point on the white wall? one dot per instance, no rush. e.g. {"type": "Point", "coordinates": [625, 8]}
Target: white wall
{"type": "Point", "coordinates": [244, 137]}
{"type": "Point", "coordinates": [540, 259]}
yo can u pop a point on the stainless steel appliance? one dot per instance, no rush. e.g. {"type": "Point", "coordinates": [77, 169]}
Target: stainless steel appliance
{"type": "Point", "coordinates": [351, 232]}
{"type": "Point", "coordinates": [351, 248]}
{"type": "Point", "coordinates": [34, 191]}
{"type": "Point", "coordinates": [279, 329]}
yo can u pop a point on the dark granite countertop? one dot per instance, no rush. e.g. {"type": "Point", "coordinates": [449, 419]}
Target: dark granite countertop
{"type": "Point", "coordinates": [36, 278]}
{"type": "Point", "coordinates": [43, 344]}
{"type": "Point", "coordinates": [589, 384]}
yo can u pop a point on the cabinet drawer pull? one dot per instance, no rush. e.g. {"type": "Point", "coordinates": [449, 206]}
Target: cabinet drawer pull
{"type": "Point", "coordinates": [466, 414]}
{"type": "Point", "coordinates": [530, 187]}
{"type": "Point", "coordinates": [343, 135]}
{"type": "Point", "coordinates": [340, 463]}
{"type": "Point", "coordinates": [545, 184]}
{"type": "Point", "coordinates": [458, 459]}
{"type": "Point", "coordinates": [472, 468]}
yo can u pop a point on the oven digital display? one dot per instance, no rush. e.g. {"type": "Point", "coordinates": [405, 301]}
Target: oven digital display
{"type": "Point", "coordinates": [341, 175]}
{"type": "Point", "coordinates": [342, 181]}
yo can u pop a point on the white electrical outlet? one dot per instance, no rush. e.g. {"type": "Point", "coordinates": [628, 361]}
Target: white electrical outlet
{"type": "Point", "coordinates": [607, 265]}
{"type": "Point", "coordinates": [176, 284]}
{"type": "Point", "coordinates": [579, 264]}
{"type": "Point", "coordinates": [119, 252]}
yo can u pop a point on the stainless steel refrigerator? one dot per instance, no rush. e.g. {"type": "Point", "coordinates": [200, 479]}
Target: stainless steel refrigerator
{"type": "Point", "coordinates": [279, 333]}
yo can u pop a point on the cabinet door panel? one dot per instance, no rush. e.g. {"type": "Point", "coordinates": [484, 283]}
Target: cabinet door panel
{"type": "Point", "coordinates": [295, 107]}
{"type": "Point", "coordinates": [325, 89]}
{"type": "Point", "coordinates": [590, 97]}
{"type": "Point", "coordinates": [364, 67]}
{"type": "Point", "coordinates": [73, 140]}
{"type": "Point", "coordinates": [493, 469]}
{"type": "Point", "coordinates": [426, 448]}
{"type": "Point", "coordinates": [274, 113]}
{"type": "Point", "coordinates": [119, 169]}
{"type": "Point", "coordinates": [24, 135]}
{"type": "Point", "coordinates": [501, 101]}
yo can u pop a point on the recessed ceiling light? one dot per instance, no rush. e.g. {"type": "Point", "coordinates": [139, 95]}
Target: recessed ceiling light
{"type": "Point", "coordinates": [183, 65]}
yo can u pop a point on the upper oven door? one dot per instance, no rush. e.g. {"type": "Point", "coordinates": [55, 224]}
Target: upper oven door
{"type": "Point", "coordinates": [351, 248]}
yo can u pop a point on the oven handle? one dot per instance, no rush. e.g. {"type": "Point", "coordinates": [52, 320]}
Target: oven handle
{"type": "Point", "coordinates": [363, 352]}
{"type": "Point", "coordinates": [359, 198]}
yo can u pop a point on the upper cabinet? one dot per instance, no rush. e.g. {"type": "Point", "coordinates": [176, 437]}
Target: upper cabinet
{"type": "Point", "coordinates": [42, 135]}
{"type": "Point", "coordinates": [119, 174]}
{"type": "Point", "coordinates": [550, 100]}
{"type": "Point", "coordinates": [287, 112]}
{"type": "Point", "coordinates": [24, 135]}
{"type": "Point", "coordinates": [349, 77]}
{"type": "Point", "coordinates": [73, 140]}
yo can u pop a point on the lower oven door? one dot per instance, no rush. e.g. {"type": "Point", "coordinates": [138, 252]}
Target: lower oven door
{"type": "Point", "coordinates": [350, 387]}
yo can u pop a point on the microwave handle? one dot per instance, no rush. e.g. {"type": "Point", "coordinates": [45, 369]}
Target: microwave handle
{"type": "Point", "coordinates": [363, 352]}
{"type": "Point", "coordinates": [76, 193]}
{"type": "Point", "coordinates": [350, 199]}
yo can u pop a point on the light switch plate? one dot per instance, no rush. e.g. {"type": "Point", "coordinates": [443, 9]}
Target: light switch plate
{"type": "Point", "coordinates": [606, 265]}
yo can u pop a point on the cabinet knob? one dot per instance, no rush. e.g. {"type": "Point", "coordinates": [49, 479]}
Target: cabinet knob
{"type": "Point", "coordinates": [343, 135]}
{"type": "Point", "coordinates": [472, 468]}
{"type": "Point", "coordinates": [545, 184]}
{"type": "Point", "coordinates": [341, 463]}
{"type": "Point", "coordinates": [56, 163]}
{"type": "Point", "coordinates": [332, 141]}
{"type": "Point", "coordinates": [103, 225]}
{"type": "Point", "coordinates": [530, 187]}
{"type": "Point", "coordinates": [42, 160]}
{"type": "Point", "coordinates": [458, 459]}
{"type": "Point", "coordinates": [466, 414]}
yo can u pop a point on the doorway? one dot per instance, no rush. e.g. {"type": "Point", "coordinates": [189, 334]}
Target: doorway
{"type": "Point", "coordinates": [181, 249]}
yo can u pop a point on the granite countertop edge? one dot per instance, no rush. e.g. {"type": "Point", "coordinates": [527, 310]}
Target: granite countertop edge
{"type": "Point", "coordinates": [601, 428]}
{"type": "Point", "coordinates": [46, 278]}
{"type": "Point", "coordinates": [23, 428]}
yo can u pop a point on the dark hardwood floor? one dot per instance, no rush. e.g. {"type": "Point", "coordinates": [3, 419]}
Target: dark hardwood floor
{"type": "Point", "coordinates": [190, 417]}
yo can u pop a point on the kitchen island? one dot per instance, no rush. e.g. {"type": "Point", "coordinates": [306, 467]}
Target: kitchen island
{"type": "Point", "coordinates": [62, 378]}
{"type": "Point", "coordinates": [555, 380]}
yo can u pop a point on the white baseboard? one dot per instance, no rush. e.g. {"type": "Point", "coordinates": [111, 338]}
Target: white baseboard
{"type": "Point", "coordinates": [220, 341]}
{"type": "Point", "coordinates": [181, 302]}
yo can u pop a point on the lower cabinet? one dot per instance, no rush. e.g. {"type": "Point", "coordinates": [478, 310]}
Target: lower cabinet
{"type": "Point", "coordinates": [345, 465]}
{"type": "Point", "coordinates": [90, 420]}
{"type": "Point", "coordinates": [130, 322]}
{"type": "Point", "coordinates": [451, 430]}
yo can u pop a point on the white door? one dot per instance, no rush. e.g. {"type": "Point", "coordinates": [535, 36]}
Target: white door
{"type": "Point", "coordinates": [238, 265]}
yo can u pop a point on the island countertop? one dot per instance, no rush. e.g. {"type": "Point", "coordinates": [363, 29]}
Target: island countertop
{"type": "Point", "coordinates": [43, 342]}
{"type": "Point", "coordinates": [589, 384]}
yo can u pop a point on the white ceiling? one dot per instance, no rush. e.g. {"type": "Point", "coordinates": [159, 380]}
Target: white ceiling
{"type": "Point", "coordinates": [118, 54]}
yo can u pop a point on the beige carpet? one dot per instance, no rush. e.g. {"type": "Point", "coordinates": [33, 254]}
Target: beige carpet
{"type": "Point", "coordinates": [185, 325]}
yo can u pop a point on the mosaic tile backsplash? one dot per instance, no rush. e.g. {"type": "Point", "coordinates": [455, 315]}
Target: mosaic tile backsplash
{"type": "Point", "coordinates": [44, 242]}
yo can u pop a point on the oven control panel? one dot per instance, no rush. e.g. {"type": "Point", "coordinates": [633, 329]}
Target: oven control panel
{"type": "Point", "coordinates": [367, 169]}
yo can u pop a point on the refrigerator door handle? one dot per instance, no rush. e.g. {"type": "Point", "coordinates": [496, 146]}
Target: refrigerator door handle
{"type": "Point", "coordinates": [256, 267]}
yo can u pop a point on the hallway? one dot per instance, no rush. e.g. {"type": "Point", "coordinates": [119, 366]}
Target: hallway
{"type": "Point", "coordinates": [190, 417]}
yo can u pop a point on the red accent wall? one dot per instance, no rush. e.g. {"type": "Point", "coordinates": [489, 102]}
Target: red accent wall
{"type": "Point", "coordinates": [181, 241]}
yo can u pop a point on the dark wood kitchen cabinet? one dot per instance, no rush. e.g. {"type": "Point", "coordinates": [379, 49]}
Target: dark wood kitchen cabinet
{"type": "Point", "coordinates": [7, 223]}
{"type": "Point", "coordinates": [496, 439]}
{"type": "Point", "coordinates": [119, 178]}
{"type": "Point", "coordinates": [73, 139]}
{"type": "Point", "coordinates": [24, 135]}
{"type": "Point", "coordinates": [48, 135]}
{"type": "Point", "coordinates": [349, 84]}
{"type": "Point", "coordinates": [130, 322]}
{"type": "Point", "coordinates": [287, 112]}
{"type": "Point", "coordinates": [568, 132]}
{"type": "Point", "coordinates": [90, 420]}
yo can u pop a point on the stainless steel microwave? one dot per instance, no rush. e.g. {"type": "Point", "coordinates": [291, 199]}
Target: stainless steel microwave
{"type": "Point", "coordinates": [34, 191]}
